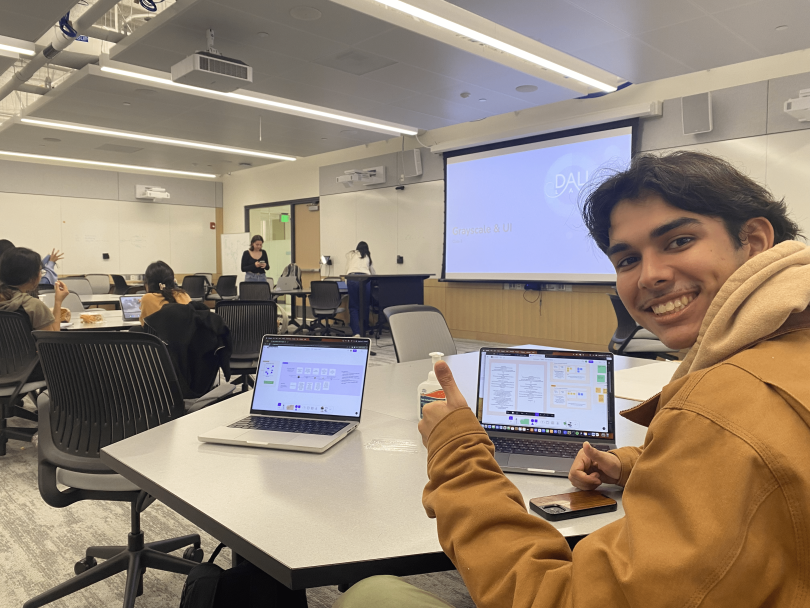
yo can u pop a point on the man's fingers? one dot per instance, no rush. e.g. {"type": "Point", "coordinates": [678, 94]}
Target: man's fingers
{"type": "Point", "coordinates": [451, 390]}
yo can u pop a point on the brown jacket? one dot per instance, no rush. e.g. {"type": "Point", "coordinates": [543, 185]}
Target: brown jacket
{"type": "Point", "coordinates": [717, 502]}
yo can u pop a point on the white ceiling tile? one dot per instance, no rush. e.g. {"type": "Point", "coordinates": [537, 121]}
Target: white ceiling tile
{"type": "Point", "coordinates": [496, 103]}
{"type": "Point", "coordinates": [30, 19]}
{"type": "Point", "coordinates": [633, 16]}
{"type": "Point", "coordinates": [714, 6]}
{"type": "Point", "coordinates": [556, 23]}
{"type": "Point", "coordinates": [347, 84]}
{"type": "Point", "coordinates": [410, 77]}
{"type": "Point", "coordinates": [700, 44]}
{"type": "Point", "coordinates": [757, 24]}
{"type": "Point", "coordinates": [634, 60]}
{"type": "Point", "coordinates": [442, 108]}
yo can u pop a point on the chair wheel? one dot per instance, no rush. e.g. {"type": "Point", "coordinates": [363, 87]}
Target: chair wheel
{"type": "Point", "coordinates": [83, 565]}
{"type": "Point", "coordinates": [194, 554]}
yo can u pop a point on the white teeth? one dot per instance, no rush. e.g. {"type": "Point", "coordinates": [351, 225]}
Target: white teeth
{"type": "Point", "coordinates": [675, 304]}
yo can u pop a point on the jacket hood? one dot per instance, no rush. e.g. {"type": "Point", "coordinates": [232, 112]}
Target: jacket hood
{"type": "Point", "coordinates": [754, 302]}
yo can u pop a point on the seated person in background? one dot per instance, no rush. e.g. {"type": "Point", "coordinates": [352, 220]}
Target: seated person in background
{"type": "Point", "coordinates": [5, 245]}
{"type": "Point", "coordinates": [717, 502]}
{"type": "Point", "coordinates": [160, 289]}
{"type": "Point", "coordinates": [20, 271]}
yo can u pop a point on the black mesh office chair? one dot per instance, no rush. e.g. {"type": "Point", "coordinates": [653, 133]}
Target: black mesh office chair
{"type": "Point", "coordinates": [632, 340]}
{"type": "Point", "coordinates": [194, 286]}
{"type": "Point", "coordinates": [225, 289]}
{"type": "Point", "coordinates": [255, 291]}
{"type": "Point", "coordinates": [248, 322]}
{"type": "Point", "coordinates": [104, 387]}
{"type": "Point", "coordinates": [120, 286]}
{"type": "Point", "coordinates": [18, 359]}
{"type": "Point", "coordinates": [325, 304]}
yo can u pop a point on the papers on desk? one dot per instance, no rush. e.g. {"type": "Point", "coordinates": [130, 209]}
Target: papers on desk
{"type": "Point", "coordinates": [66, 325]}
{"type": "Point", "coordinates": [641, 383]}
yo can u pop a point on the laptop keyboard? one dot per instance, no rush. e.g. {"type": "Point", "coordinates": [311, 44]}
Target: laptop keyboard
{"type": "Point", "coordinates": [289, 425]}
{"type": "Point", "coordinates": [534, 447]}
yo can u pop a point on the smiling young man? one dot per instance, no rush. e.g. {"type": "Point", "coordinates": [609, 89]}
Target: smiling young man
{"type": "Point", "coordinates": [717, 501]}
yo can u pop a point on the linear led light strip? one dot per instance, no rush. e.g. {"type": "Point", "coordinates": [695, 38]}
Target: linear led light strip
{"type": "Point", "coordinates": [495, 43]}
{"type": "Point", "coordinates": [162, 140]}
{"type": "Point", "coordinates": [100, 164]}
{"type": "Point", "coordinates": [267, 102]}
{"type": "Point", "coordinates": [16, 49]}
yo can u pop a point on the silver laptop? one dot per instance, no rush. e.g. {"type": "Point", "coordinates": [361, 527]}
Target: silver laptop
{"type": "Point", "coordinates": [538, 406]}
{"type": "Point", "coordinates": [131, 307]}
{"type": "Point", "coordinates": [308, 395]}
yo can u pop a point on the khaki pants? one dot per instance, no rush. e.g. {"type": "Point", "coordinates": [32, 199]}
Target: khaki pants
{"type": "Point", "coordinates": [387, 592]}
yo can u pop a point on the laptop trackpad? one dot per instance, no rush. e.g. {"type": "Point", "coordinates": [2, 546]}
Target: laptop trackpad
{"type": "Point", "coordinates": [266, 437]}
{"type": "Point", "coordinates": [524, 461]}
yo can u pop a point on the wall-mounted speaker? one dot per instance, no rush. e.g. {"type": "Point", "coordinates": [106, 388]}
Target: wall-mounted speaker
{"type": "Point", "coordinates": [696, 111]}
{"type": "Point", "coordinates": [412, 163]}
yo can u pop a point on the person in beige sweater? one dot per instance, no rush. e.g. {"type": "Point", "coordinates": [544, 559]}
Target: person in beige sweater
{"type": "Point", "coordinates": [717, 501]}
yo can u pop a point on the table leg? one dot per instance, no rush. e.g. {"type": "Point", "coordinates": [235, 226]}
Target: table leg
{"type": "Point", "coordinates": [293, 312]}
{"type": "Point", "coordinates": [303, 325]}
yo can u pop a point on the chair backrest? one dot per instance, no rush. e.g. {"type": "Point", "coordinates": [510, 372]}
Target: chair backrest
{"type": "Point", "coordinates": [248, 322]}
{"type": "Point", "coordinates": [120, 287]}
{"type": "Point", "coordinates": [194, 286]}
{"type": "Point", "coordinates": [18, 352]}
{"type": "Point", "coordinates": [226, 285]}
{"type": "Point", "coordinates": [209, 278]}
{"type": "Point", "coordinates": [254, 290]}
{"type": "Point", "coordinates": [417, 331]}
{"type": "Point", "coordinates": [99, 283]}
{"type": "Point", "coordinates": [72, 302]}
{"type": "Point", "coordinates": [626, 326]}
{"type": "Point", "coordinates": [105, 387]}
{"type": "Point", "coordinates": [80, 285]}
{"type": "Point", "coordinates": [325, 295]}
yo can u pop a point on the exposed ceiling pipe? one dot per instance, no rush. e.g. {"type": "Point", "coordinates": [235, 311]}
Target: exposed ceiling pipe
{"type": "Point", "coordinates": [59, 44]}
{"type": "Point", "coordinates": [32, 88]}
{"type": "Point", "coordinates": [100, 33]}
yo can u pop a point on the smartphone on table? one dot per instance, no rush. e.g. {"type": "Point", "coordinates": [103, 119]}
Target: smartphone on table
{"type": "Point", "coordinates": [573, 504]}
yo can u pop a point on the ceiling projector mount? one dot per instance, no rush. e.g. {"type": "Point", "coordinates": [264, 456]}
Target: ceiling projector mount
{"type": "Point", "coordinates": [210, 70]}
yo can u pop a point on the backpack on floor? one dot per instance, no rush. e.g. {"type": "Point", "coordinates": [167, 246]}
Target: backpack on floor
{"type": "Point", "coordinates": [243, 586]}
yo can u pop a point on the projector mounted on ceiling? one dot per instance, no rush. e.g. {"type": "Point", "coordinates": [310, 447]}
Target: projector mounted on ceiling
{"type": "Point", "coordinates": [210, 70]}
{"type": "Point", "coordinates": [799, 108]}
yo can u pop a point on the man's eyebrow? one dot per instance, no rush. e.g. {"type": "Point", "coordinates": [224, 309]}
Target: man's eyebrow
{"type": "Point", "coordinates": [617, 248]}
{"type": "Point", "coordinates": [681, 221]}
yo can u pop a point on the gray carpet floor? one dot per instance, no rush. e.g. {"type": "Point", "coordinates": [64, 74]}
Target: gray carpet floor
{"type": "Point", "coordinates": [39, 544]}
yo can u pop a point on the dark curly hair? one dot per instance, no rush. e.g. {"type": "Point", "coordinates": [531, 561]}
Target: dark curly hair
{"type": "Point", "coordinates": [692, 181]}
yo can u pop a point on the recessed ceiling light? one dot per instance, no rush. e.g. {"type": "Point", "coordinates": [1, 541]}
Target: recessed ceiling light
{"type": "Point", "coordinates": [101, 164]}
{"type": "Point", "coordinates": [263, 35]}
{"type": "Point", "coordinates": [305, 13]}
{"type": "Point", "coordinates": [51, 139]}
{"type": "Point", "coordinates": [526, 88]}
{"type": "Point", "coordinates": [280, 106]}
{"type": "Point", "coordinates": [464, 94]}
{"type": "Point", "coordinates": [781, 28]}
{"type": "Point", "coordinates": [500, 45]}
{"type": "Point", "coordinates": [161, 140]}
{"type": "Point", "coordinates": [482, 99]}
{"type": "Point", "coordinates": [126, 103]}
{"type": "Point", "coordinates": [323, 138]}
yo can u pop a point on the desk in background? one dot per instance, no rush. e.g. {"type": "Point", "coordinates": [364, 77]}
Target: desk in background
{"type": "Point", "coordinates": [358, 514]}
{"type": "Point", "coordinates": [113, 321]}
{"type": "Point", "coordinates": [394, 290]}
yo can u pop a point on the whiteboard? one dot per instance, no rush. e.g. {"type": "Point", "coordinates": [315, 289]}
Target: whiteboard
{"type": "Point", "coordinates": [193, 241]}
{"type": "Point", "coordinates": [16, 224]}
{"type": "Point", "coordinates": [89, 230]}
{"type": "Point", "coordinates": [407, 222]}
{"type": "Point", "coordinates": [145, 234]}
{"type": "Point", "coordinates": [233, 246]}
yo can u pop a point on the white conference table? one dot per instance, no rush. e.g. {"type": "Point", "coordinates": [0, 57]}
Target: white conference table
{"type": "Point", "coordinates": [98, 299]}
{"type": "Point", "coordinates": [113, 320]}
{"type": "Point", "coordinates": [311, 520]}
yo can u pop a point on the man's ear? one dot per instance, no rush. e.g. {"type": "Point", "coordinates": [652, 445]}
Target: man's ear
{"type": "Point", "coordinates": [757, 235]}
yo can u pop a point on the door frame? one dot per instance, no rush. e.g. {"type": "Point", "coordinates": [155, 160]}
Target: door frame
{"type": "Point", "coordinates": [293, 203]}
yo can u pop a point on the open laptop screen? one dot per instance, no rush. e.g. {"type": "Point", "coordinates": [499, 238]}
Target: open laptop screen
{"type": "Point", "coordinates": [546, 392]}
{"type": "Point", "coordinates": [131, 307]}
{"type": "Point", "coordinates": [309, 377]}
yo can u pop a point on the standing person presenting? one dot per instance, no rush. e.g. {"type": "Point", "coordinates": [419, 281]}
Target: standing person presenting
{"type": "Point", "coordinates": [358, 261]}
{"type": "Point", "coordinates": [254, 261]}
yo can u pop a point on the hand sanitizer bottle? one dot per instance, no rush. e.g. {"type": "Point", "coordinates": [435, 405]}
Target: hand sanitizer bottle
{"type": "Point", "coordinates": [430, 390]}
